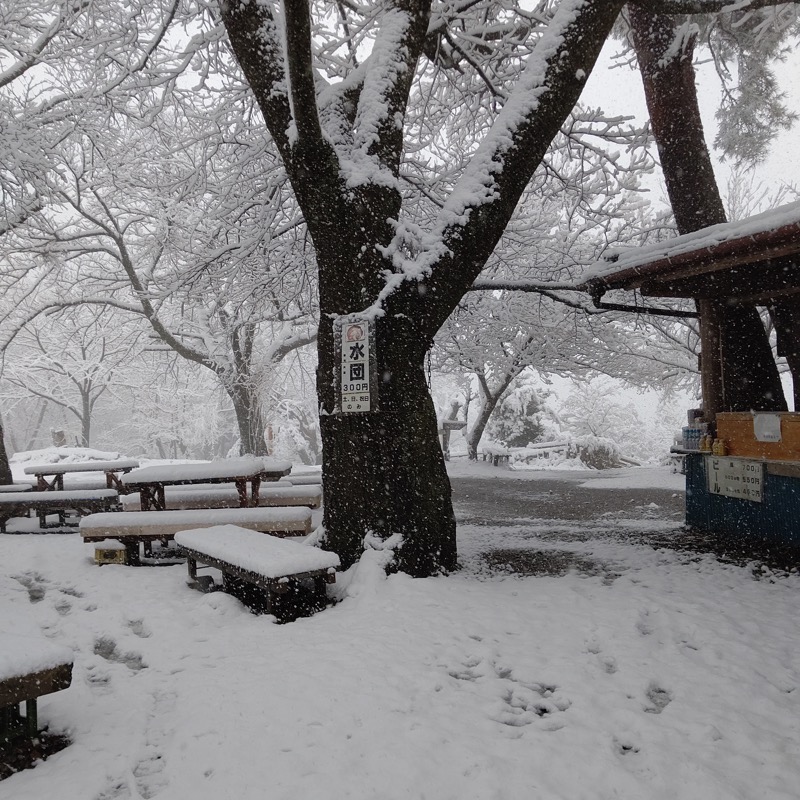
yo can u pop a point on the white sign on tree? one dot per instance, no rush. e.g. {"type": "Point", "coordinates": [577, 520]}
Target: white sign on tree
{"type": "Point", "coordinates": [356, 344]}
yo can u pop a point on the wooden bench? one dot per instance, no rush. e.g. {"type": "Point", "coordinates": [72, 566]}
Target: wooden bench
{"type": "Point", "coordinates": [215, 496]}
{"type": "Point", "coordinates": [302, 480]}
{"type": "Point", "coordinates": [151, 482]}
{"type": "Point", "coordinates": [56, 472]}
{"type": "Point", "coordinates": [255, 567]}
{"type": "Point", "coordinates": [15, 487]}
{"type": "Point", "coordinates": [135, 527]}
{"type": "Point", "coordinates": [30, 666]}
{"type": "Point", "coordinates": [495, 455]}
{"type": "Point", "coordinates": [81, 501]}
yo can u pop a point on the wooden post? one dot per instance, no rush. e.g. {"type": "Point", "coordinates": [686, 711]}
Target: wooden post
{"type": "Point", "coordinates": [711, 377]}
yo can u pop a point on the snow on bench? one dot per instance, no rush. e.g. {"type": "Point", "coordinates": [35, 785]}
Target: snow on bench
{"type": "Point", "coordinates": [133, 527]}
{"type": "Point", "coordinates": [15, 487]}
{"type": "Point", "coordinates": [494, 454]}
{"type": "Point", "coordinates": [30, 666]}
{"type": "Point", "coordinates": [214, 471]}
{"type": "Point", "coordinates": [248, 559]}
{"type": "Point", "coordinates": [82, 501]}
{"type": "Point", "coordinates": [302, 480]}
{"type": "Point", "coordinates": [82, 466]}
{"type": "Point", "coordinates": [216, 496]}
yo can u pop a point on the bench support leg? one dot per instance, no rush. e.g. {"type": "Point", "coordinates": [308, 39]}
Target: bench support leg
{"type": "Point", "coordinates": [132, 553]}
{"type": "Point", "coordinates": [31, 718]}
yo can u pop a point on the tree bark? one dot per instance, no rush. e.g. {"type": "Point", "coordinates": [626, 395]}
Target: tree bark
{"type": "Point", "coordinates": [86, 418]}
{"type": "Point", "coordinates": [738, 369]}
{"type": "Point", "coordinates": [5, 468]}
{"type": "Point", "coordinates": [252, 431]}
{"type": "Point", "coordinates": [489, 401]}
{"type": "Point", "coordinates": [786, 317]}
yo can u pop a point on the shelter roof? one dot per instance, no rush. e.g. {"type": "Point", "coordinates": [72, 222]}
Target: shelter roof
{"type": "Point", "coordinates": [755, 260]}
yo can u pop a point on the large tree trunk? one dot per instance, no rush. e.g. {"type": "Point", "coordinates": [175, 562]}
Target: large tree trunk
{"type": "Point", "coordinates": [738, 369]}
{"type": "Point", "coordinates": [5, 468]}
{"type": "Point", "coordinates": [786, 317]}
{"type": "Point", "coordinates": [387, 473]}
{"type": "Point", "coordinates": [384, 471]}
{"type": "Point", "coordinates": [252, 432]}
{"type": "Point", "coordinates": [86, 419]}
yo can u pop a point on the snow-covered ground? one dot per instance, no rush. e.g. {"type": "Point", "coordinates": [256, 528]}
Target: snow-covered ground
{"type": "Point", "coordinates": [636, 673]}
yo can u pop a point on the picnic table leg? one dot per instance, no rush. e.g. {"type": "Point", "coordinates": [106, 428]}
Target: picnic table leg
{"type": "Point", "coordinates": [268, 604]}
{"type": "Point", "coordinates": [241, 488]}
{"type": "Point", "coordinates": [31, 718]}
{"type": "Point", "coordinates": [256, 484]}
{"type": "Point", "coordinates": [132, 554]}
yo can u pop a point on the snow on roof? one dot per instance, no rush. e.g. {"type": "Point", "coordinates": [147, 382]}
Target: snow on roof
{"type": "Point", "coordinates": [257, 552]}
{"type": "Point", "coordinates": [22, 654]}
{"type": "Point", "coordinates": [83, 466]}
{"type": "Point", "coordinates": [782, 223]}
{"type": "Point", "coordinates": [224, 468]}
{"type": "Point", "coordinates": [9, 498]}
{"type": "Point", "coordinates": [195, 516]}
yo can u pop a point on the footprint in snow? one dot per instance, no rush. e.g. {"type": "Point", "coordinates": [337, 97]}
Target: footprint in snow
{"type": "Point", "coordinates": [138, 628]}
{"type": "Point", "coordinates": [659, 698]}
{"type": "Point", "coordinates": [106, 648]}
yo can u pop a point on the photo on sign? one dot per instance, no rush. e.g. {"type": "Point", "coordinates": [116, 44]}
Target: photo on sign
{"type": "Point", "coordinates": [355, 333]}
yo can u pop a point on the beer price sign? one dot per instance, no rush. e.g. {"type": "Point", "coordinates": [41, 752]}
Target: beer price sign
{"type": "Point", "coordinates": [357, 382]}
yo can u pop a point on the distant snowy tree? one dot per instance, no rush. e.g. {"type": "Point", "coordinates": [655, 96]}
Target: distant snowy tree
{"type": "Point", "coordinates": [72, 360]}
{"type": "Point", "coordinates": [518, 420]}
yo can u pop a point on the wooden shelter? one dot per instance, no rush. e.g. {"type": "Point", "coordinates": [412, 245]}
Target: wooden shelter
{"type": "Point", "coordinates": [753, 263]}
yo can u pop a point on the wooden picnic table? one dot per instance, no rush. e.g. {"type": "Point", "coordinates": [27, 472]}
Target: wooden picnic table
{"type": "Point", "coordinates": [56, 472]}
{"type": "Point", "coordinates": [150, 481]}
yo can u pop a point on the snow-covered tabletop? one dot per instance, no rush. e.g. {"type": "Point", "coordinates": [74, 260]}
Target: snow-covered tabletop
{"type": "Point", "coordinates": [223, 470]}
{"type": "Point", "coordinates": [68, 495]}
{"type": "Point", "coordinates": [167, 522]}
{"type": "Point", "coordinates": [222, 496]}
{"type": "Point", "coordinates": [256, 552]}
{"type": "Point", "coordinates": [22, 654]}
{"type": "Point", "coordinates": [84, 466]}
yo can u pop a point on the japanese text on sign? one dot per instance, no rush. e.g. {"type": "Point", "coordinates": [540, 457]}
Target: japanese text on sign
{"type": "Point", "coordinates": [736, 477]}
{"type": "Point", "coordinates": [355, 367]}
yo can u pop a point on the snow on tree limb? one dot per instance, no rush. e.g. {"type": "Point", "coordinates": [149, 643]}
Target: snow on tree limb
{"type": "Point", "coordinates": [706, 6]}
{"type": "Point", "coordinates": [256, 39]}
{"type": "Point", "coordinates": [482, 202]}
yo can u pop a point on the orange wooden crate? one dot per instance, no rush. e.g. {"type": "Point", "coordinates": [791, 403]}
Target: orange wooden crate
{"type": "Point", "coordinates": [736, 430]}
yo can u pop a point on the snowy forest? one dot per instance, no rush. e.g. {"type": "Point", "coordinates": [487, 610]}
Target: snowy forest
{"type": "Point", "coordinates": [193, 191]}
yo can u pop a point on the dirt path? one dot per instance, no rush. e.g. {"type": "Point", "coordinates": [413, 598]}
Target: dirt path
{"type": "Point", "coordinates": [544, 511]}
{"type": "Point", "coordinates": [495, 501]}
